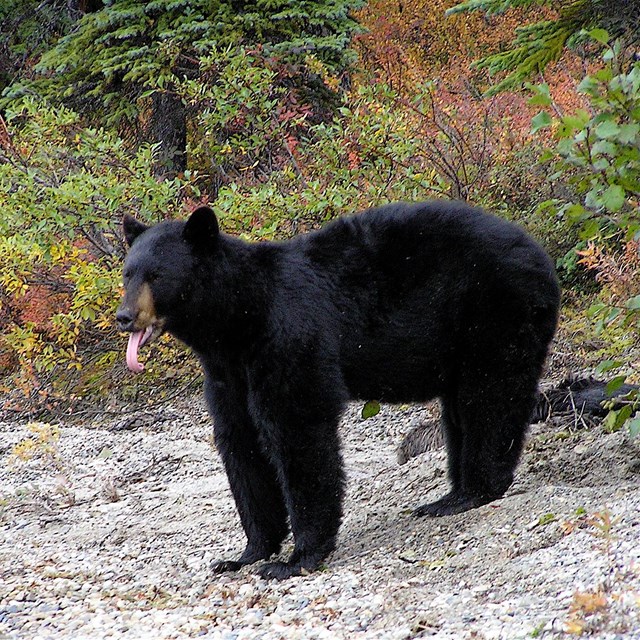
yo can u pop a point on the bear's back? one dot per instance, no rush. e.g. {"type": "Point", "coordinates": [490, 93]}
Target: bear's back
{"type": "Point", "coordinates": [402, 242]}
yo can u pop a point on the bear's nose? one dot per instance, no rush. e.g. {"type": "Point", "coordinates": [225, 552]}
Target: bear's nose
{"type": "Point", "coordinates": [125, 319]}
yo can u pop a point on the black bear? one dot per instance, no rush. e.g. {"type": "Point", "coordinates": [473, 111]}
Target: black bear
{"type": "Point", "coordinates": [401, 303]}
{"type": "Point", "coordinates": [584, 400]}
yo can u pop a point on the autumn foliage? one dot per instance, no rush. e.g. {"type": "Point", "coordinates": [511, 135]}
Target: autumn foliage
{"type": "Point", "coordinates": [281, 143]}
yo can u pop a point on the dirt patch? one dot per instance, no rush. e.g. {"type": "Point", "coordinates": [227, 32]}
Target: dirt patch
{"type": "Point", "coordinates": [581, 458]}
{"type": "Point", "coordinates": [109, 530]}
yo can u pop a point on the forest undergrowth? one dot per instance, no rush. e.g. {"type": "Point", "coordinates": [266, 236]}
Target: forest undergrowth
{"type": "Point", "coordinates": [281, 135]}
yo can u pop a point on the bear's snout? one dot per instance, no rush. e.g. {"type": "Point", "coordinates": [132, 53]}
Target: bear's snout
{"type": "Point", "coordinates": [137, 310]}
{"type": "Point", "coordinates": [125, 319]}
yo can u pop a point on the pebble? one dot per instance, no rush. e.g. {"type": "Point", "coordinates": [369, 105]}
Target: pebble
{"type": "Point", "coordinates": [253, 616]}
{"type": "Point", "coordinates": [246, 590]}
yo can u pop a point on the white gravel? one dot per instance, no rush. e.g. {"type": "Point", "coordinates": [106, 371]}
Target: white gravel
{"type": "Point", "coordinates": [110, 532]}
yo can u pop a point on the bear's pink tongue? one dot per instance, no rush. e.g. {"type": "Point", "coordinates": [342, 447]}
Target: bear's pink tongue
{"type": "Point", "coordinates": [135, 339]}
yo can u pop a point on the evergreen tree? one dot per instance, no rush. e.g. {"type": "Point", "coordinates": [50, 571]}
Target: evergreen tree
{"type": "Point", "coordinates": [538, 44]}
{"type": "Point", "coordinates": [125, 50]}
{"type": "Point", "coordinates": [27, 29]}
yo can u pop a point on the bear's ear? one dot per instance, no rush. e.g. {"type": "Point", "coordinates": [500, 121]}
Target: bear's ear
{"type": "Point", "coordinates": [201, 229]}
{"type": "Point", "coordinates": [132, 228]}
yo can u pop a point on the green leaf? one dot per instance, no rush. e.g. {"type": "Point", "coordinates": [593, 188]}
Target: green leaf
{"type": "Point", "coordinates": [614, 384]}
{"type": "Point", "coordinates": [614, 312]}
{"type": "Point", "coordinates": [628, 133]}
{"type": "Point", "coordinates": [546, 155]}
{"type": "Point", "coordinates": [633, 303]}
{"type": "Point", "coordinates": [634, 426]}
{"type": "Point", "coordinates": [541, 96]}
{"type": "Point", "coordinates": [603, 75]}
{"type": "Point", "coordinates": [574, 122]}
{"type": "Point", "coordinates": [613, 198]}
{"type": "Point", "coordinates": [370, 409]}
{"type": "Point", "coordinates": [622, 416]}
{"type": "Point", "coordinates": [590, 230]}
{"type": "Point", "coordinates": [589, 85]}
{"type": "Point", "coordinates": [608, 365]}
{"type": "Point", "coordinates": [541, 121]}
{"type": "Point", "coordinates": [609, 422]}
{"type": "Point", "coordinates": [607, 129]}
{"type": "Point", "coordinates": [600, 35]}
{"type": "Point", "coordinates": [575, 213]}
{"type": "Point", "coordinates": [546, 518]}
{"type": "Point", "coordinates": [604, 147]}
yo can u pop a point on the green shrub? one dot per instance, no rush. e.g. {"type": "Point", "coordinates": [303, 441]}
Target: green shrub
{"type": "Point", "coordinates": [63, 191]}
{"type": "Point", "coordinates": [596, 161]}
{"type": "Point", "coordinates": [64, 188]}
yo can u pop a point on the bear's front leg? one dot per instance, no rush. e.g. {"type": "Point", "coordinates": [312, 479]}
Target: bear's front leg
{"type": "Point", "coordinates": [299, 564]}
{"type": "Point", "coordinates": [310, 468]}
{"type": "Point", "coordinates": [252, 479]}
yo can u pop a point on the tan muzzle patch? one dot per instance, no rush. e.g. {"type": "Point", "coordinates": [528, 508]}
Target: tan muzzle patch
{"type": "Point", "coordinates": [145, 308]}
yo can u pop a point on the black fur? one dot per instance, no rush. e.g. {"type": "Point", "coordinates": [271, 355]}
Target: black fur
{"type": "Point", "coordinates": [583, 400]}
{"type": "Point", "coordinates": [402, 303]}
{"type": "Point", "coordinates": [579, 396]}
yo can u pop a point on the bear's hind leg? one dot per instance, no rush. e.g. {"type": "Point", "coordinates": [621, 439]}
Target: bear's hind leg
{"type": "Point", "coordinates": [489, 428]}
{"type": "Point", "coordinates": [457, 499]}
{"type": "Point", "coordinates": [453, 438]}
{"type": "Point", "coordinates": [491, 404]}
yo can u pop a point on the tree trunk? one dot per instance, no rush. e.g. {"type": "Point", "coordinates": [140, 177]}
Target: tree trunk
{"type": "Point", "coordinates": [78, 7]}
{"type": "Point", "coordinates": [87, 6]}
{"type": "Point", "coordinates": [169, 127]}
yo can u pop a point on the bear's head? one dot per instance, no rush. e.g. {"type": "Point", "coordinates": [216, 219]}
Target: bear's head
{"type": "Point", "coordinates": [159, 275]}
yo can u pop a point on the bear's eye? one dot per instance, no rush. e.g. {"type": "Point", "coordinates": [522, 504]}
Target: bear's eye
{"type": "Point", "coordinates": [127, 274]}
{"type": "Point", "coordinates": [152, 276]}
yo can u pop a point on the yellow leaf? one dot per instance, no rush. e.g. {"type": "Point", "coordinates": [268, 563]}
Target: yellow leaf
{"type": "Point", "coordinates": [575, 626]}
{"type": "Point", "coordinates": [589, 602]}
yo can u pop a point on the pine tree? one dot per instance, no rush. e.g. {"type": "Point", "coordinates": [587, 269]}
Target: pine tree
{"type": "Point", "coordinates": [125, 50]}
{"type": "Point", "coordinates": [538, 44]}
{"type": "Point", "coordinates": [27, 29]}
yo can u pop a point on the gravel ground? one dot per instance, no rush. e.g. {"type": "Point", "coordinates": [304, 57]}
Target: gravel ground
{"type": "Point", "coordinates": [107, 530]}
